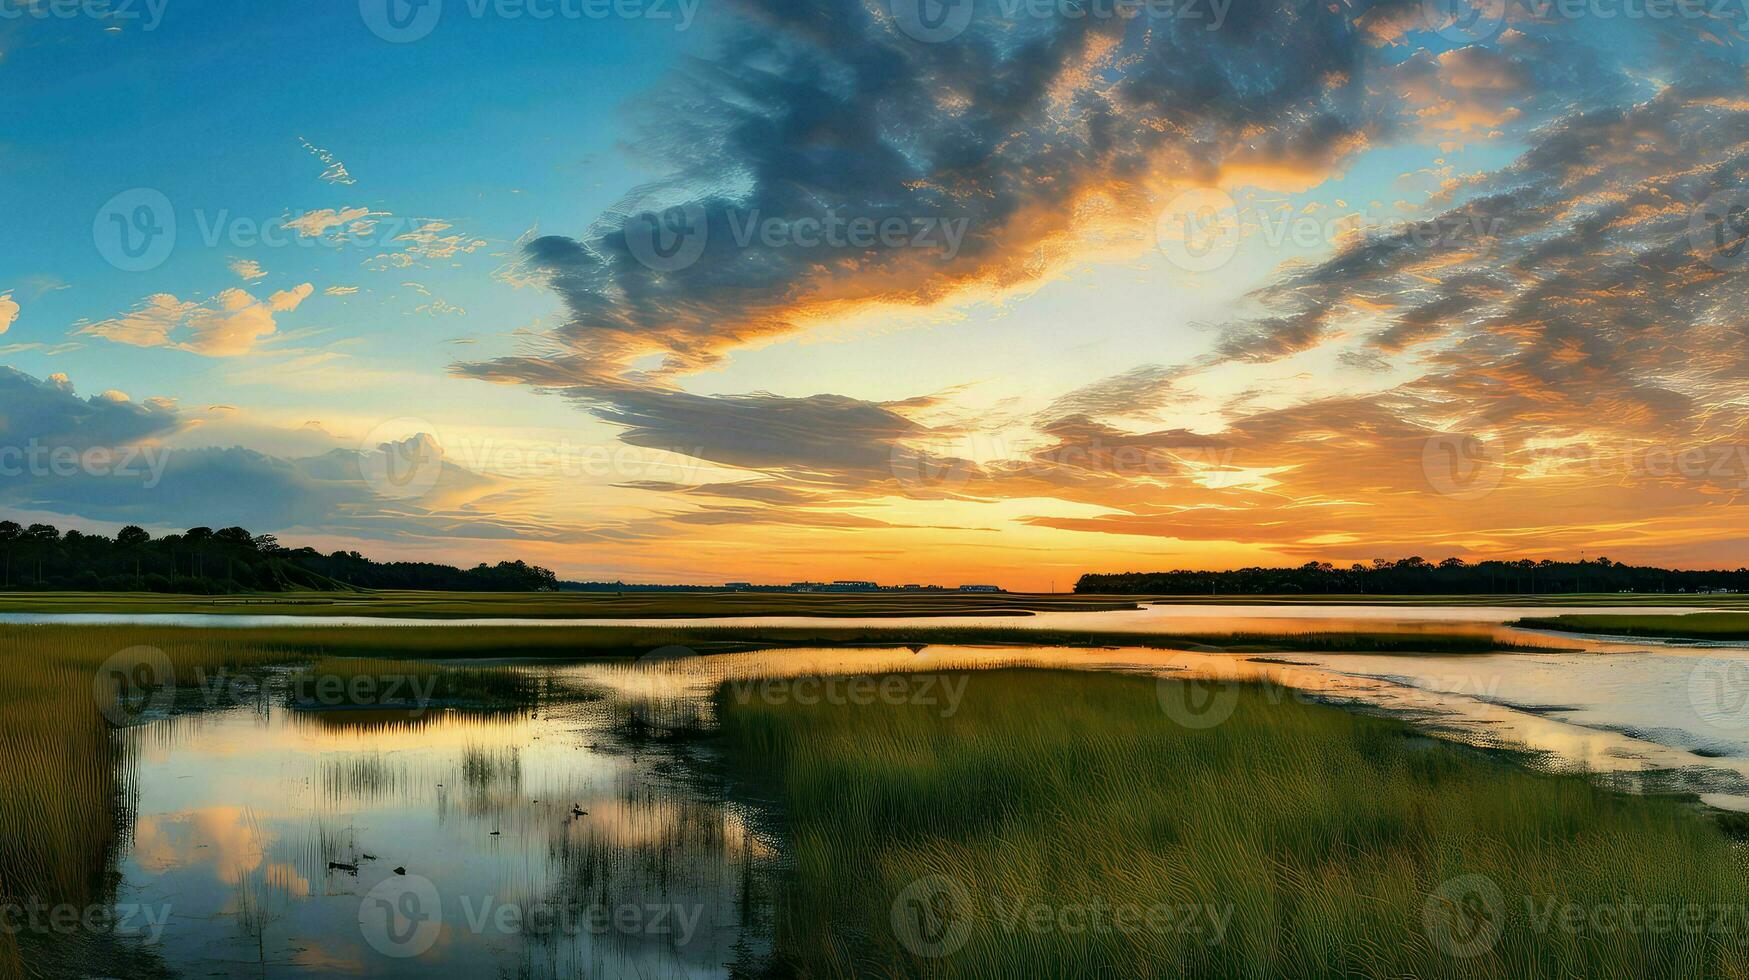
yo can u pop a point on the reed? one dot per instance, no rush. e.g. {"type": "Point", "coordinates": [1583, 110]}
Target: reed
{"type": "Point", "coordinates": [1327, 842]}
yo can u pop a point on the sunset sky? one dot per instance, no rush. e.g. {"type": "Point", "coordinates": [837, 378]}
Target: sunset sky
{"type": "Point", "coordinates": [985, 291]}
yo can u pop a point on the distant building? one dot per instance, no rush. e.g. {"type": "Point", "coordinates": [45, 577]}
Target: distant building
{"type": "Point", "coordinates": [980, 588]}
{"type": "Point", "coordinates": [852, 585]}
{"type": "Point", "coordinates": [738, 586]}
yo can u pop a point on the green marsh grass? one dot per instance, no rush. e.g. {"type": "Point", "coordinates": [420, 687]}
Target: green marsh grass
{"type": "Point", "coordinates": [1685, 626]}
{"type": "Point", "coordinates": [1321, 832]}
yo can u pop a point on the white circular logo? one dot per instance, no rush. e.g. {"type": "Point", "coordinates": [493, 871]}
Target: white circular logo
{"type": "Point", "coordinates": [134, 685]}
{"type": "Point", "coordinates": [400, 468]}
{"type": "Point", "coordinates": [1718, 231]}
{"type": "Point", "coordinates": [135, 230]}
{"type": "Point", "coordinates": [402, 916]}
{"type": "Point", "coordinates": [1463, 467]}
{"type": "Point", "coordinates": [932, 916]}
{"type": "Point", "coordinates": [1464, 915]}
{"type": "Point", "coordinates": [932, 21]}
{"type": "Point", "coordinates": [1719, 691]}
{"type": "Point", "coordinates": [1196, 702]}
{"type": "Point", "coordinates": [400, 21]}
{"type": "Point", "coordinates": [669, 240]}
{"type": "Point", "coordinates": [1199, 229]}
{"type": "Point", "coordinates": [1464, 21]}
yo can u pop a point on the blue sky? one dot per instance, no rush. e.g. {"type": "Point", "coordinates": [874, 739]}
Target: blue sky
{"type": "Point", "coordinates": [427, 251]}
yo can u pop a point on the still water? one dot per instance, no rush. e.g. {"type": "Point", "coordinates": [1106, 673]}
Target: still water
{"type": "Point", "coordinates": [534, 842]}
{"type": "Point", "coordinates": [564, 838]}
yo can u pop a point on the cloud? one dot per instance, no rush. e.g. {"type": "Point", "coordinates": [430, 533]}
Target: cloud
{"type": "Point", "coordinates": [248, 270]}
{"type": "Point", "coordinates": [230, 324]}
{"type": "Point", "coordinates": [50, 414]}
{"type": "Point", "coordinates": [335, 172]}
{"type": "Point", "coordinates": [1138, 391]}
{"type": "Point", "coordinates": [1043, 143]}
{"type": "Point", "coordinates": [1559, 301]}
{"type": "Point", "coordinates": [8, 312]}
{"type": "Point", "coordinates": [177, 472]}
{"type": "Point", "coordinates": [426, 242]}
{"type": "Point", "coordinates": [356, 222]}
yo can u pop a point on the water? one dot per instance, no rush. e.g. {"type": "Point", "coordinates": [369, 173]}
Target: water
{"type": "Point", "coordinates": [271, 835]}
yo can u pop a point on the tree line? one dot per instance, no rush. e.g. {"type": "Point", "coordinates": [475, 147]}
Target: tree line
{"type": "Point", "coordinates": [202, 561]}
{"type": "Point", "coordinates": [1417, 576]}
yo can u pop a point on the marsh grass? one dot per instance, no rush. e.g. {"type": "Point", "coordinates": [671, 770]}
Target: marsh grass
{"type": "Point", "coordinates": [1323, 834]}
{"type": "Point", "coordinates": [564, 605]}
{"type": "Point", "coordinates": [543, 642]}
{"type": "Point", "coordinates": [340, 682]}
{"type": "Point", "coordinates": [66, 780]}
{"type": "Point", "coordinates": [1685, 626]}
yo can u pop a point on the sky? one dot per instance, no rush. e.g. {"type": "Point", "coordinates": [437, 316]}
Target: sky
{"type": "Point", "coordinates": [933, 291]}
